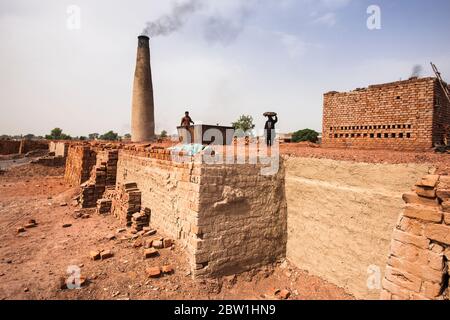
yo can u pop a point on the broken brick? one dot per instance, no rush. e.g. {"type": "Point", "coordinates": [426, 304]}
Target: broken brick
{"type": "Point", "coordinates": [95, 255]}
{"type": "Point", "coordinates": [150, 253]}
{"type": "Point", "coordinates": [154, 272]}
{"type": "Point", "coordinates": [106, 254]}
{"type": "Point", "coordinates": [167, 269]}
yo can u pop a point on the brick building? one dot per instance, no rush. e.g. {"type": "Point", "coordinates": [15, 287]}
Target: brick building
{"type": "Point", "coordinates": [403, 115]}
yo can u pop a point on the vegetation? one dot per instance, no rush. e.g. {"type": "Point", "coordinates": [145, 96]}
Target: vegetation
{"type": "Point", "coordinates": [244, 123]}
{"type": "Point", "coordinates": [110, 136]}
{"type": "Point", "coordinates": [93, 136]}
{"type": "Point", "coordinates": [127, 136]}
{"type": "Point", "coordinates": [305, 135]}
{"type": "Point", "coordinates": [163, 134]}
{"type": "Point", "coordinates": [57, 134]}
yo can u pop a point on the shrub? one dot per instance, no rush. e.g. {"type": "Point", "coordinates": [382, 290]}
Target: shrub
{"type": "Point", "coordinates": [305, 135]}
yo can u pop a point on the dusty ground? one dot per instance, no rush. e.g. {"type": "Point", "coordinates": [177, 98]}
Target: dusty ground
{"type": "Point", "coordinates": [441, 161]}
{"type": "Point", "coordinates": [32, 263]}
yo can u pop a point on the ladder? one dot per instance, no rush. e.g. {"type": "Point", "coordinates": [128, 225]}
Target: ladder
{"type": "Point", "coordinates": [438, 76]}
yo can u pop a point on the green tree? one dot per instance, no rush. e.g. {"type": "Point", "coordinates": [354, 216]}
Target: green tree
{"type": "Point", "coordinates": [29, 136]}
{"type": "Point", "coordinates": [305, 135]}
{"type": "Point", "coordinates": [110, 136]}
{"type": "Point", "coordinates": [163, 134]}
{"type": "Point", "coordinates": [57, 134]}
{"type": "Point", "coordinates": [244, 123]}
{"type": "Point", "coordinates": [127, 136]}
{"type": "Point", "coordinates": [93, 136]}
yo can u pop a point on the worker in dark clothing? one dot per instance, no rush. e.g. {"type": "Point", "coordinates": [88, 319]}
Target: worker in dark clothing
{"type": "Point", "coordinates": [186, 121]}
{"type": "Point", "coordinates": [270, 129]}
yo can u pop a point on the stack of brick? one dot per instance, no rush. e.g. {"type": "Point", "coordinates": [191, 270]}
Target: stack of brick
{"type": "Point", "coordinates": [104, 206]}
{"type": "Point", "coordinates": [94, 189]}
{"type": "Point", "coordinates": [127, 202]}
{"type": "Point", "coordinates": [80, 161]}
{"type": "Point", "coordinates": [140, 220]}
{"type": "Point", "coordinates": [420, 249]}
{"type": "Point", "coordinates": [111, 167]}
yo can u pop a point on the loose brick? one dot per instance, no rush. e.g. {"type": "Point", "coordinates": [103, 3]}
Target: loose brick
{"type": "Point", "coordinates": [423, 213]}
{"type": "Point", "coordinates": [443, 194]}
{"type": "Point", "coordinates": [167, 243]}
{"type": "Point", "coordinates": [439, 233]}
{"type": "Point", "coordinates": [95, 255]}
{"type": "Point", "coordinates": [444, 182]}
{"type": "Point", "coordinates": [167, 269]}
{"type": "Point", "coordinates": [150, 253]}
{"type": "Point", "coordinates": [106, 254]}
{"type": "Point", "coordinates": [153, 272]}
{"type": "Point", "coordinates": [428, 181]}
{"type": "Point", "coordinates": [158, 244]}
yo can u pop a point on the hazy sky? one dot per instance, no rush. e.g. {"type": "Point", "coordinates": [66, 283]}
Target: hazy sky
{"type": "Point", "coordinates": [231, 57]}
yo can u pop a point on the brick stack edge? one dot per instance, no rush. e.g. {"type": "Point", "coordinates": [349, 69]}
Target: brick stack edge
{"type": "Point", "coordinates": [418, 265]}
{"type": "Point", "coordinates": [404, 115]}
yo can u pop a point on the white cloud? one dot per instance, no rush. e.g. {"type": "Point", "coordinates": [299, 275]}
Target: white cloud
{"type": "Point", "coordinates": [328, 19]}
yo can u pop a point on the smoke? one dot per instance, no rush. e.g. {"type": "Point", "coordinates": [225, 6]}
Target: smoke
{"type": "Point", "coordinates": [416, 71]}
{"type": "Point", "coordinates": [217, 27]}
{"type": "Point", "coordinates": [174, 21]}
{"type": "Point", "coordinates": [223, 30]}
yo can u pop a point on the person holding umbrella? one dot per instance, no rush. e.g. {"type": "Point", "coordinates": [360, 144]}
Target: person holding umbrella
{"type": "Point", "coordinates": [269, 128]}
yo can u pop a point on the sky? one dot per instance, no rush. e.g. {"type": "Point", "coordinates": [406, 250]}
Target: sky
{"type": "Point", "coordinates": [70, 64]}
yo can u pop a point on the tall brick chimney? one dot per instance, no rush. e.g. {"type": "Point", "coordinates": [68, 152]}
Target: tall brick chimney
{"type": "Point", "coordinates": [143, 113]}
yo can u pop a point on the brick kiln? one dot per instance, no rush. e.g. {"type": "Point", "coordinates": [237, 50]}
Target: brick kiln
{"type": "Point", "coordinates": [403, 115]}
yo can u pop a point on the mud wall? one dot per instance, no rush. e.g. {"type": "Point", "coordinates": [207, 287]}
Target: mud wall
{"type": "Point", "coordinates": [341, 216]}
{"type": "Point", "coordinates": [9, 147]}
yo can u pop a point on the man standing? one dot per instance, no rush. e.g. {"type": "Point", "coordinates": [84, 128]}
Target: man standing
{"type": "Point", "coordinates": [270, 128]}
{"type": "Point", "coordinates": [186, 121]}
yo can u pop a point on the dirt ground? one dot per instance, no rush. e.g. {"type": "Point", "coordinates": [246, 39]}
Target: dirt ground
{"type": "Point", "coordinates": [441, 161]}
{"type": "Point", "coordinates": [33, 263]}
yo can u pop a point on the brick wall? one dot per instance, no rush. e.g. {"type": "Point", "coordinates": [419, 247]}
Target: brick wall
{"type": "Point", "coordinates": [9, 147]}
{"type": "Point", "coordinates": [80, 161]}
{"type": "Point", "coordinates": [229, 217]}
{"type": "Point", "coordinates": [418, 264]}
{"type": "Point", "coordinates": [399, 115]}
{"type": "Point", "coordinates": [441, 120]}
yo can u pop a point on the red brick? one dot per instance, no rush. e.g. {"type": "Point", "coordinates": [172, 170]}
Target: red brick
{"type": "Point", "coordinates": [423, 213]}
{"type": "Point", "coordinates": [154, 272]}
{"type": "Point", "coordinates": [395, 290]}
{"type": "Point", "coordinates": [413, 198]}
{"type": "Point", "coordinates": [447, 218]}
{"type": "Point", "coordinates": [426, 192]}
{"type": "Point", "coordinates": [106, 254]}
{"type": "Point", "coordinates": [428, 181]}
{"type": "Point", "coordinates": [95, 255]}
{"type": "Point", "coordinates": [439, 233]}
{"type": "Point", "coordinates": [413, 226]}
{"type": "Point", "coordinates": [403, 279]}
{"type": "Point", "coordinates": [444, 182]}
{"type": "Point", "coordinates": [150, 253]}
{"type": "Point", "coordinates": [443, 194]}
{"type": "Point", "coordinates": [418, 241]}
{"type": "Point", "coordinates": [418, 269]}
{"type": "Point", "coordinates": [446, 206]}
{"type": "Point", "coordinates": [167, 269]}
{"type": "Point", "coordinates": [431, 290]}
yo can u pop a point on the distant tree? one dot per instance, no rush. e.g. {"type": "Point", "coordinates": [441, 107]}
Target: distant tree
{"type": "Point", "coordinates": [93, 136]}
{"type": "Point", "coordinates": [163, 134]}
{"type": "Point", "coordinates": [127, 136]}
{"type": "Point", "coordinates": [244, 123]}
{"type": "Point", "coordinates": [82, 138]}
{"type": "Point", "coordinates": [5, 137]}
{"type": "Point", "coordinates": [57, 134]}
{"type": "Point", "coordinates": [305, 135]}
{"type": "Point", "coordinates": [29, 136]}
{"type": "Point", "coordinates": [110, 136]}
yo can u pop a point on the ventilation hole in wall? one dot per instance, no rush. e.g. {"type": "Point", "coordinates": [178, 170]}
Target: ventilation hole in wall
{"type": "Point", "coordinates": [393, 135]}
{"type": "Point", "coordinates": [400, 135]}
{"type": "Point", "coordinates": [379, 135]}
{"type": "Point", "coordinates": [336, 135]}
{"type": "Point", "coordinates": [365, 135]}
{"type": "Point", "coordinates": [398, 98]}
{"type": "Point", "coordinates": [386, 135]}
{"type": "Point", "coordinates": [352, 135]}
{"type": "Point", "coordinates": [408, 135]}
{"type": "Point", "coordinates": [409, 126]}
{"type": "Point", "coordinates": [346, 135]}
